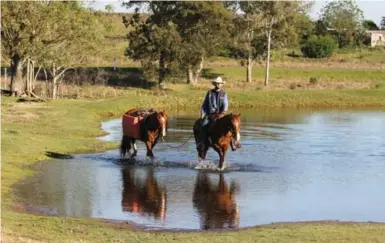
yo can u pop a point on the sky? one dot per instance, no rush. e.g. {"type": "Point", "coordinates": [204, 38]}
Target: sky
{"type": "Point", "coordinates": [373, 10]}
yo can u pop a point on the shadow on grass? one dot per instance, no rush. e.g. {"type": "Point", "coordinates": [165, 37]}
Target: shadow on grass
{"type": "Point", "coordinates": [295, 55]}
{"type": "Point", "coordinates": [55, 155]}
{"type": "Point", "coordinates": [119, 77]}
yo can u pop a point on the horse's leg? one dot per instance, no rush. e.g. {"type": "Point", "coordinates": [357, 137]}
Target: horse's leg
{"type": "Point", "coordinates": [221, 156]}
{"type": "Point", "coordinates": [196, 131]}
{"type": "Point", "coordinates": [133, 155]}
{"type": "Point", "coordinates": [222, 160]}
{"type": "Point", "coordinates": [155, 141]}
{"type": "Point", "coordinates": [204, 152]}
{"type": "Point", "coordinates": [149, 146]}
{"type": "Point", "coordinates": [224, 151]}
{"type": "Point", "coordinates": [200, 154]}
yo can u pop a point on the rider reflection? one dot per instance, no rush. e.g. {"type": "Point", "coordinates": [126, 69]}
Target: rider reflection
{"type": "Point", "coordinates": [215, 204]}
{"type": "Point", "coordinates": [145, 197]}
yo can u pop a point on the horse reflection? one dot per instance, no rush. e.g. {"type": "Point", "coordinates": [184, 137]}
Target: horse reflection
{"type": "Point", "coordinates": [144, 197]}
{"type": "Point", "coordinates": [215, 204]}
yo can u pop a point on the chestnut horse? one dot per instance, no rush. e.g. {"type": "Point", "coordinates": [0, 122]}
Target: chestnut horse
{"type": "Point", "coordinates": [216, 204]}
{"type": "Point", "coordinates": [145, 197]}
{"type": "Point", "coordinates": [152, 127]}
{"type": "Point", "coordinates": [222, 133]}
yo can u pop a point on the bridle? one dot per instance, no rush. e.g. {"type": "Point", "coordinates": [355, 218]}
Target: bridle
{"type": "Point", "coordinates": [234, 137]}
{"type": "Point", "coordinates": [162, 124]}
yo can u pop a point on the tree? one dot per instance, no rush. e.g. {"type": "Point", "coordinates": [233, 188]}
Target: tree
{"type": "Point", "coordinates": [177, 34]}
{"type": "Point", "coordinates": [109, 8]}
{"type": "Point", "coordinates": [382, 24]}
{"type": "Point", "coordinates": [66, 44]}
{"type": "Point", "coordinates": [21, 29]}
{"type": "Point", "coordinates": [246, 30]}
{"type": "Point", "coordinates": [152, 38]}
{"type": "Point", "coordinates": [51, 34]}
{"type": "Point", "coordinates": [344, 18]}
{"type": "Point", "coordinates": [369, 25]}
{"type": "Point", "coordinates": [262, 25]}
{"type": "Point", "coordinates": [202, 27]}
{"type": "Point", "coordinates": [304, 27]}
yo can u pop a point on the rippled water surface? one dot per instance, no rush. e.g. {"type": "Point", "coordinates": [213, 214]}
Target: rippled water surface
{"type": "Point", "coordinates": [294, 166]}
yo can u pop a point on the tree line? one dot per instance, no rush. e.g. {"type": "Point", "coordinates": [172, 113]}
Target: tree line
{"type": "Point", "coordinates": [170, 37]}
{"type": "Point", "coordinates": [52, 36]}
{"type": "Point", "coordinates": [176, 37]}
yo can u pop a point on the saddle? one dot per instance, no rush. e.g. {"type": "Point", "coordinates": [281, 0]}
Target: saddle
{"type": "Point", "coordinates": [140, 112]}
{"type": "Point", "coordinates": [212, 119]}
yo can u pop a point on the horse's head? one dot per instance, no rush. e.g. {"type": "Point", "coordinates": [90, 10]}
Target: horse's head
{"type": "Point", "coordinates": [162, 121]}
{"type": "Point", "coordinates": [235, 129]}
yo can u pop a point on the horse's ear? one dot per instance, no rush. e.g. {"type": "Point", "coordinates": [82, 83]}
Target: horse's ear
{"type": "Point", "coordinates": [239, 115]}
{"type": "Point", "coordinates": [164, 112]}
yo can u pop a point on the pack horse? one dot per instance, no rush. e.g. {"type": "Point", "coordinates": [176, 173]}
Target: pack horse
{"type": "Point", "coordinates": [143, 125]}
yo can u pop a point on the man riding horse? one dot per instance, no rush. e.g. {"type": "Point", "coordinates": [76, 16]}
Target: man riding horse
{"type": "Point", "coordinates": [214, 104]}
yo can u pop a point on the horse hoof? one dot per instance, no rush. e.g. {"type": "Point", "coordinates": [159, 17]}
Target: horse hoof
{"type": "Point", "coordinates": [221, 169]}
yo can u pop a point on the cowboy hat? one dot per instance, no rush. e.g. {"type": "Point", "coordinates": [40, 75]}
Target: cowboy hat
{"type": "Point", "coordinates": [218, 81]}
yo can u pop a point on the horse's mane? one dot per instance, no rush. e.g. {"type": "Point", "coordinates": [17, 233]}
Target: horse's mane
{"type": "Point", "coordinates": [151, 121]}
{"type": "Point", "coordinates": [224, 120]}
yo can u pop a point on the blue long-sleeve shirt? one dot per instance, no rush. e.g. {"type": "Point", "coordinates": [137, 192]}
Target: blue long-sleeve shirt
{"type": "Point", "coordinates": [210, 107]}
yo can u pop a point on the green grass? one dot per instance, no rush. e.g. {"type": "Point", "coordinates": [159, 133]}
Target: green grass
{"type": "Point", "coordinates": [301, 74]}
{"type": "Point", "coordinates": [71, 126]}
{"type": "Point", "coordinates": [252, 98]}
{"type": "Point", "coordinates": [349, 55]}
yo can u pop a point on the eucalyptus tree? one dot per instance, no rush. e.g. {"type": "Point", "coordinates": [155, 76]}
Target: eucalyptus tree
{"type": "Point", "coordinates": [52, 34]}
{"type": "Point", "coordinates": [261, 25]}
{"type": "Point", "coordinates": [21, 29]}
{"type": "Point", "coordinates": [71, 33]}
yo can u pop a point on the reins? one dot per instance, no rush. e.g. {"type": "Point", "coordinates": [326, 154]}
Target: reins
{"type": "Point", "coordinates": [178, 145]}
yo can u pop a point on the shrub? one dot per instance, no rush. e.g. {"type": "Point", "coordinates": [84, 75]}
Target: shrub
{"type": "Point", "coordinates": [379, 85]}
{"type": "Point", "coordinates": [313, 80]}
{"type": "Point", "coordinates": [319, 47]}
{"type": "Point", "coordinates": [293, 86]}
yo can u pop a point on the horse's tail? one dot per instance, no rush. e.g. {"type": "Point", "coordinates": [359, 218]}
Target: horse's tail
{"type": "Point", "coordinates": [125, 145]}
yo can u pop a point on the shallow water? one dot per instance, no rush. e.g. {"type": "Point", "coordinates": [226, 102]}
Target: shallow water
{"type": "Point", "coordinates": [294, 166]}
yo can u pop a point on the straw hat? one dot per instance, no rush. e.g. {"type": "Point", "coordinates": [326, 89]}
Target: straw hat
{"type": "Point", "coordinates": [218, 81]}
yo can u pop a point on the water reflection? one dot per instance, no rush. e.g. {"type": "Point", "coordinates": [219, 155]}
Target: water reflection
{"type": "Point", "coordinates": [145, 197]}
{"type": "Point", "coordinates": [215, 203]}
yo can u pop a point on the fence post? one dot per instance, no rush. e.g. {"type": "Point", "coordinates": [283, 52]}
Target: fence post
{"type": "Point", "coordinates": [4, 80]}
{"type": "Point", "coordinates": [115, 63]}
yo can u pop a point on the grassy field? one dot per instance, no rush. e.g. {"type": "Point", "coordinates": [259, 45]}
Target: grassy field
{"type": "Point", "coordinates": [241, 95]}
{"type": "Point", "coordinates": [71, 126]}
{"type": "Point", "coordinates": [283, 78]}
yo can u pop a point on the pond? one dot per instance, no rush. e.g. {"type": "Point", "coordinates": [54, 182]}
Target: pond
{"type": "Point", "coordinates": [295, 165]}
